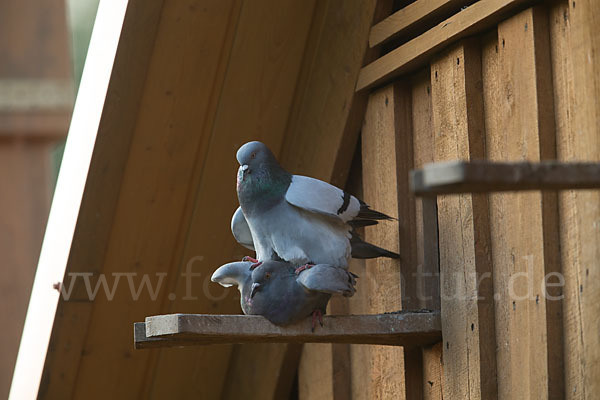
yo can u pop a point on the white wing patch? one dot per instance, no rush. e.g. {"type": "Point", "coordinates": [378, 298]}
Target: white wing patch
{"type": "Point", "coordinates": [321, 197]}
{"type": "Point", "coordinates": [241, 230]}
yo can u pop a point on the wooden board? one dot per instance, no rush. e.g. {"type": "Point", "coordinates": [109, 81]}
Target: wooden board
{"type": "Point", "coordinates": [383, 276]}
{"type": "Point", "coordinates": [405, 20]}
{"type": "Point", "coordinates": [466, 290]}
{"type": "Point", "coordinates": [393, 329]}
{"type": "Point", "coordinates": [486, 176]}
{"type": "Point", "coordinates": [576, 76]}
{"type": "Point", "coordinates": [520, 126]}
{"type": "Point", "coordinates": [426, 225]}
{"type": "Point", "coordinates": [478, 17]}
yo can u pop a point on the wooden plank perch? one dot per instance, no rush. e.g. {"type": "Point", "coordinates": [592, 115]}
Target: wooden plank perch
{"type": "Point", "coordinates": [396, 329]}
{"type": "Point", "coordinates": [486, 176]}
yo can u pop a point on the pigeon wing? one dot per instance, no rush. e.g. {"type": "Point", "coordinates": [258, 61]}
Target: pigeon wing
{"type": "Point", "coordinates": [321, 197]}
{"type": "Point", "coordinates": [241, 230]}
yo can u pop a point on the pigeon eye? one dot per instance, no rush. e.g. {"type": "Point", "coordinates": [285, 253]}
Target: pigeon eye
{"type": "Point", "coordinates": [253, 155]}
{"type": "Point", "coordinates": [267, 275]}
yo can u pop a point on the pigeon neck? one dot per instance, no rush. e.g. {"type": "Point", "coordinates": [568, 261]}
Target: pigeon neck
{"type": "Point", "coordinates": [263, 188]}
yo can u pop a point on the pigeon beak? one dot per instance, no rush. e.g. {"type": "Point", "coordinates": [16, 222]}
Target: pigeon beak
{"type": "Point", "coordinates": [245, 167]}
{"type": "Point", "coordinates": [255, 288]}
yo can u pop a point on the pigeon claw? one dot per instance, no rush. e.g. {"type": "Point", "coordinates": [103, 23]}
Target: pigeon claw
{"type": "Point", "coordinates": [303, 267]}
{"type": "Point", "coordinates": [255, 265]}
{"type": "Point", "coordinates": [254, 261]}
{"type": "Point", "coordinates": [316, 315]}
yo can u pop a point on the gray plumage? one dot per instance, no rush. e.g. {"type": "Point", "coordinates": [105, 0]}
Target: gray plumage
{"type": "Point", "coordinates": [277, 293]}
{"type": "Point", "coordinates": [296, 218]}
{"type": "Point", "coordinates": [358, 247]}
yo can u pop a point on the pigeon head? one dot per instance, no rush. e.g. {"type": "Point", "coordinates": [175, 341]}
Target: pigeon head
{"type": "Point", "coordinates": [267, 273]}
{"type": "Point", "coordinates": [253, 155]}
{"type": "Point", "coordinates": [261, 181]}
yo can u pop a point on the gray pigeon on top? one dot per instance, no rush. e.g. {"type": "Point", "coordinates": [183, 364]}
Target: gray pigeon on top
{"type": "Point", "coordinates": [281, 295]}
{"type": "Point", "coordinates": [296, 218]}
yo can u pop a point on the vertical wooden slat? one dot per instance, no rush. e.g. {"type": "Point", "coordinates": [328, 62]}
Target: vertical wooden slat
{"type": "Point", "coordinates": [520, 126]}
{"type": "Point", "coordinates": [379, 152]}
{"type": "Point", "coordinates": [360, 354]}
{"type": "Point", "coordinates": [575, 39]}
{"type": "Point", "coordinates": [585, 139]}
{"type": "Point", "coordinates": [340, 355]}
{"type": "Point", "coordinates": [467, 323]}
{"type": "Point", "coordinates": [426, 230]}
{"type": "Point", "coordinates": [407, 231]}
{"type": "Point", "coordinates": [564, 101]}
{"type": "Point", "coordinates": [359, 303]}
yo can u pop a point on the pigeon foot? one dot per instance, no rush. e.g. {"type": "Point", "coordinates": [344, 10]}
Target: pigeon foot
{"type": "Point", "coordinates": [303, 267]}
{"type": "Point", "coordinates": [255, 262]}
{"type": "Point", "coordinates": [255, 265]}
{"type": "Point", "coordinates": [316, 315]}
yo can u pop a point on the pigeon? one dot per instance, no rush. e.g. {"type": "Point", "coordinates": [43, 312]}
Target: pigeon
{"type": "Point", "coordinates": [282, 295]}
{"type": "Point", "coordinates": [296, 218]}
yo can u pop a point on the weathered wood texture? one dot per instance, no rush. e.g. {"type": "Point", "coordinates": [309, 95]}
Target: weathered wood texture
{"type": "Point", "coordinates": [409, 18]}
{"type": "Point", "coordinates": [520, 126]}
{"type": "Point", "coordinates": [485, 176]}
{"type": "Point", "coordinates": [426, 224]}
{"type": "Point", "coordinates": [575, 40]}
{"type": "Point", "coordinates": [465, 265]}
{"type": "Point", "coordinates": [383, 276]}
{"type": "Point", "coordinates": [393, 329]}
{"type": "Point", "coordinates": [476, 18]}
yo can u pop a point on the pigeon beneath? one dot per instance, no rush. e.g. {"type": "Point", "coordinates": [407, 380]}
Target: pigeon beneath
{"type": "Point", "coordinates": [295, 218]}
{"type": "Point", "coordinates": [283, 296]}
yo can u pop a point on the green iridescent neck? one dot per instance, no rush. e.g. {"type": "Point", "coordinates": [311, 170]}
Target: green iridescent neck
{"type": "Point", "coordinates": [263, 188]}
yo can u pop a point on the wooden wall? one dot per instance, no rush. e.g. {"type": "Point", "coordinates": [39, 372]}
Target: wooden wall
{"type": "Point", "coordinates": [523, 85]}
